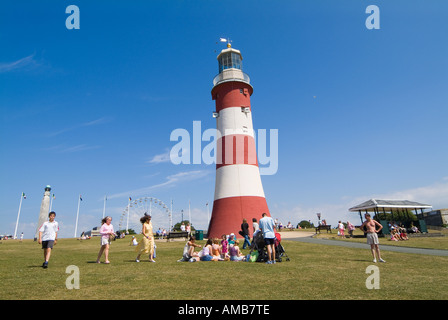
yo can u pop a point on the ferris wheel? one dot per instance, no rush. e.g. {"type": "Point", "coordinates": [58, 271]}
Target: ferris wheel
{"type": "Point", "coordinates": [161, 214]}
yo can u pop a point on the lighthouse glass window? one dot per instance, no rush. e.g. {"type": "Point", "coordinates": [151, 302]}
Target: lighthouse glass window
{"type": "Point", "coordinates": [230, 60]}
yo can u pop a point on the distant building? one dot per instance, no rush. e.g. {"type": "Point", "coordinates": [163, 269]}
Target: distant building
{"type": "Point", "coordinates": [435, 217]}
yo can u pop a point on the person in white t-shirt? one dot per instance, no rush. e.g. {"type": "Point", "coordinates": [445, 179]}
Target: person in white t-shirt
{"type": "Point", "coordinates": [267, 226]}
{"type": "Point", "coordinates": [48, 236]}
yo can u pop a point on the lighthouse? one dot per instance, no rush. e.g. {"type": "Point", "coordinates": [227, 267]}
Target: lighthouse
{"type": "Point", "coordinates": [238, 189]}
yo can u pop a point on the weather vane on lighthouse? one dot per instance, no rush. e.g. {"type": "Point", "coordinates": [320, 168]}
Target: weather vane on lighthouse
{"type": "Point", "coordinates": [238, 189]}
{"type": "Point", "coordinates": [226, 40]}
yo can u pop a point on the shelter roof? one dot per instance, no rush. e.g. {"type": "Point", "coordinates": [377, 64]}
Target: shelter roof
{"type": "Point", "coordinates": [371, 204]}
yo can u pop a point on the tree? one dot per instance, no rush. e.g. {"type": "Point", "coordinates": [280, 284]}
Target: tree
{"type": "Point", "coordinates": [306, 224]}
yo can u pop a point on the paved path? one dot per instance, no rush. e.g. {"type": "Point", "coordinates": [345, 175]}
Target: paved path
{"type": "Point", "coordinates": [307, 238]}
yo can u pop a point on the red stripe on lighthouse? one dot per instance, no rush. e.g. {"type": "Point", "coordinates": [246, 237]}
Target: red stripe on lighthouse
{"type": "Point", "coordinates": [228, 214]}
{"type": "Point", "coordinates": [232, 94]}
{"type": "Point", "coordinates": [236, 149]}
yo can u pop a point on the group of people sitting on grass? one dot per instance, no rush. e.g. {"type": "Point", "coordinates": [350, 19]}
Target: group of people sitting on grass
{"type": "Point", "coordinates": [398, 232]}
{"type": "Point", "coordinates": [224, 249]}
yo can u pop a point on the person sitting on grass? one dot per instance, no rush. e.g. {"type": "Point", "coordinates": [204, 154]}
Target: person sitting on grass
{"type": "Point", "coordinates": [189, 254]}
{"type": "Point", "coordinates": [216, 248]}
{"type": "Point", "coordinates": [394, 235]}
{"type": "Point", "coordinates": [134, 241]}
{"type": "Point", "coordinates": [231, 239]}
{"type": "Point", "coordinates": [403, 234]}
{"type": "Point", "coordinates": [206, 252]}
{"type": "Point", "coordinates": [414, 229]}
{"type": "Point", "coordinates": [235, 253]}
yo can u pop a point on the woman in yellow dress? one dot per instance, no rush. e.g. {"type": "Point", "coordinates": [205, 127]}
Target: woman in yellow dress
{"type": "Point", "coordinates": [147, 243]}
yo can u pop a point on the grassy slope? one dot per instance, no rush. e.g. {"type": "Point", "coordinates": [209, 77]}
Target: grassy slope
{"type": "Point", "coordinates": [314, 272]}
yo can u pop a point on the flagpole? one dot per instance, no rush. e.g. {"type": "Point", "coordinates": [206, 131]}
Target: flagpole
{"type": "Point", "coordinates": [127, 222]}
{"type": "Point", "coordinates": [208, 215]}
{"type": "Point", "coordinates": [104, 207]}
{"type": "Point", "coordinates": [77, 215]}
{"type": "Point", "coordinates": [171, 216]}
{"type": "Point", "coordinates": [18, 215]}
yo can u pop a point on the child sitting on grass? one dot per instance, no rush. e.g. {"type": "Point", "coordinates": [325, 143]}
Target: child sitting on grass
{"type": "Point", "coordinates": [235, 253]}
{"type": "Point", "coordinates": [216, 248]}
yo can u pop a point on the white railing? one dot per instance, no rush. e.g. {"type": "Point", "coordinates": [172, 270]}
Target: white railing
{"type": "Point", "coordinates": [231, 74]}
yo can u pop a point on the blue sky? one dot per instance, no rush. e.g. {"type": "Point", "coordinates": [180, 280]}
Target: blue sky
{"type": "Point", "coordinates": [360, 113]}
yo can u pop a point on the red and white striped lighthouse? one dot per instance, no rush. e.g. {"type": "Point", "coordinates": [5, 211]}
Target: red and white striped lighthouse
{"type": "Point", "coordinates": [238, 189]}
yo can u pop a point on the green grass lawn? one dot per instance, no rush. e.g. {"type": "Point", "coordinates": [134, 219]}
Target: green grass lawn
{"type": "Point", "coordinates": [314, 272]}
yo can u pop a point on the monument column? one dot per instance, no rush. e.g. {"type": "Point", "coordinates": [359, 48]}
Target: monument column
{"type": "Point", "coordinates": [44, 210]}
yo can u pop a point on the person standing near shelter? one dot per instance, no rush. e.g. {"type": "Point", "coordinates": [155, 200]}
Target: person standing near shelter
{"type": "Point", "coordinates": [106, 230]}
{"type": "Point", "coordinates": [341, 229]}
{"type": "Point", "coordinates": [372, 236]}
{"type": "Point", "coordinates": [267, 226]}
{"type": "Point", "coordinates": [350, 228]}
{"type": "Point", "coordinates": [48, 236]}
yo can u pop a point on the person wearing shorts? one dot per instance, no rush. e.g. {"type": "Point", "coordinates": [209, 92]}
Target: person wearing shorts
{"type": "Point", "coordinates": [48, 236]}
{"type": "Point", "coordinates": [106, 230]}
{"type": "Point", "coordinates": [267, 227]}
{"type": "Point", "coordinates": [372, 236]}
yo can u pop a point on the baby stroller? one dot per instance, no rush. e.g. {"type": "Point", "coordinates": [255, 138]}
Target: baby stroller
{"type": "Point", "coordinates": [279, 250]}
{"type": "Point", "coordinates": [258, 248]}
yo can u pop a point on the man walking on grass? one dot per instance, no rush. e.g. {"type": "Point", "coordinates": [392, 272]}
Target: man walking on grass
{"type": "Point", "coordinates": [372, 236]}
{"type": "Point", "coordinates": [267, 226]}
{"type": "Point", "coordinates": [48, 236]}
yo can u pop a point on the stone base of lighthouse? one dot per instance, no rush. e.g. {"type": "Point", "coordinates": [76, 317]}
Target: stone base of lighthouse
{"type": "Point", "coordinates": [228, 214]}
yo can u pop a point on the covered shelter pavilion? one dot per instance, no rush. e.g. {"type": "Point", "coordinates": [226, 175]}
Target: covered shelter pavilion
{"type": "Point", "coordinates": [378, 207]}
